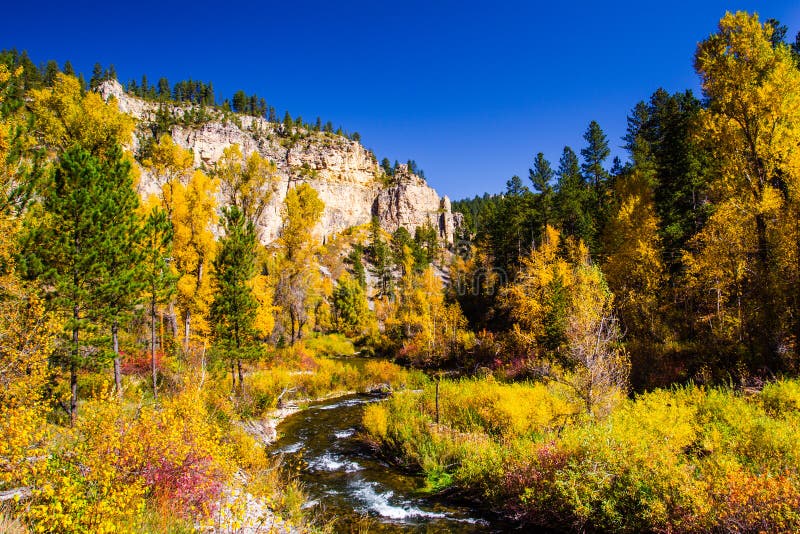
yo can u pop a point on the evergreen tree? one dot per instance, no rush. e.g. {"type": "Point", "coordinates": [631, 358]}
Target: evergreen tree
{"type": "Point", "coordinates": [379, 256]}
{"type": "Point", "coordinates": [779, 30]}
{"type": "Point", "coordinates": [66, 249]}
{"type": "Point", "coordinates": [120, 283]}
{"type": "Point", "coordinates": [50, 71]}
{"type": "Point", "coordinates": [401, 238]}
{"type": "Point", "coordinates": [427, 242]}
{"type": "Point", "coordinates": [509, 225]}
{"type": "Point", "coordinates": [239, 102]}
{"type": "Point", "coordinates": [350, 310]}
{"type": "Point", "coordinates": [355, 258]}
{"type": "Point", "coordinates": [662, 136]}
{"type": "Point", "coordinates": [541, 176]}
{"type": "Point", "coordinates": [97, 76]}
{"type": "Point", "coordinates": [234, 307]}
{"type": "Point", "coordinates": [386, 165]}
{"type": "Point", "coordinates": [164, 91]}
{"type": "Point", "coordinates": [595, 153]}
{"type": "Point", "coordinates": [572, 198]}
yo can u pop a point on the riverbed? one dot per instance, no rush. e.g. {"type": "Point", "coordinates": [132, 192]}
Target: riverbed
{"type": "Point", "coordinates": [345, 481]}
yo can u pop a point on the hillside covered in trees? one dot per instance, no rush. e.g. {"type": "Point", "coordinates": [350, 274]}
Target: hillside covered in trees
{"type": "Point", "coordinates": [607, 346]}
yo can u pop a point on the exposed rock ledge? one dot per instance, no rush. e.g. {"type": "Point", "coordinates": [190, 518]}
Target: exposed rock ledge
{"type": "Point", "coordinates": [345, 174]}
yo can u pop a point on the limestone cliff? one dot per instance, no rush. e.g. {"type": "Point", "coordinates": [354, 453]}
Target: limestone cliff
{"type": "Point", "coordinates": [345, 174]}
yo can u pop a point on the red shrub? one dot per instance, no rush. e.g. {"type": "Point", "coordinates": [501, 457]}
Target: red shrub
{"type": "Point", "coordinates": [138, 363]}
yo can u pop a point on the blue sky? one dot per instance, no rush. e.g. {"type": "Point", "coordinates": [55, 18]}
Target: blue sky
{"type": "Point", "coordinates": [470, 90]}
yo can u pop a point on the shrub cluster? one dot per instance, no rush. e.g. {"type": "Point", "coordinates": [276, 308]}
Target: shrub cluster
{"type": "Point", "coordinates": [682, 460]}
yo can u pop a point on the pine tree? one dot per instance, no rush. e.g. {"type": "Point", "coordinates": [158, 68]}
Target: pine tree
{"type": "Point", "coordinates": [541, 176]}
{"type": "Point", "coordinates": [67, 248]}
{"type": "Point", "coordinates": [239, 102]}
{"type": "Point", "coordinates": [572, 199]}
{"type": "Point", "coordinates": [350, 310]}
{"type": "Point", "coordinates": [119, 287]}
{"type": "Point", "coordinates": [50, 71]}
{"type": "Point", "coordinates": [164, 91]}
{"type": "Point", "coordinates": [234, 307]}
{"type": "Point", "coordinates": [509, 225]}
{"type": "Point", "coordinates": [97, 76]}
{"type": "Point", "coordinates": [594, 155]}
{"type": "Point", "coordinates": [379, 257]}
{"type": "Point", "coordinates": [355, 259]}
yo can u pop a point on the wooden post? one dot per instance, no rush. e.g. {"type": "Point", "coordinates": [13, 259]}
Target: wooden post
{"type": "Point", "coordinates": [437, 399]}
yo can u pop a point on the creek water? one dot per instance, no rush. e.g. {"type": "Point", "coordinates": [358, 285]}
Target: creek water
{"type": "Point", "coordinates": [346, 482]}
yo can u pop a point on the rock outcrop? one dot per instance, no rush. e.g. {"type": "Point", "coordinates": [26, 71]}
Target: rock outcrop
{"type": "Point", "coordinates": [346, 176]}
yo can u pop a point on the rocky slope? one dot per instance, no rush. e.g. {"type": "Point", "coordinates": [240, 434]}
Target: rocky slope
{"type": "Point", "coordinates": [346, 175]}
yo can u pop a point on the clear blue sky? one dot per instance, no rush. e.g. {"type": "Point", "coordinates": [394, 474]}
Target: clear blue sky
{"type": "Point", "coordinates": [470, 90]}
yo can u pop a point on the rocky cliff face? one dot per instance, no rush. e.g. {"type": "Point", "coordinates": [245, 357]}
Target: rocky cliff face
{"type": "Point", "coordinates": [346, 175]}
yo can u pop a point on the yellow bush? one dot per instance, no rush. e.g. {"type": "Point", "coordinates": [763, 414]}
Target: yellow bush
{"type": "Point", "coordinates": [682, 460]}
{"type": "Point", "coordinates": [102, 473]}
{"type": "Point", "coordinates": [375, 421]}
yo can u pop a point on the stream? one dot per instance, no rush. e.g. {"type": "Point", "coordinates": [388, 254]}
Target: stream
{"type": "Point", "coordinates": [345, 481]}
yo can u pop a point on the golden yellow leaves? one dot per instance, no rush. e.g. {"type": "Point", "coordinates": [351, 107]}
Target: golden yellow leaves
{"type": "Point", "coordinates": [65, 116]}
{"type": "Point", "coordinates": [194, 246]}
{"type": "Point", "coordinates": [247, 183]}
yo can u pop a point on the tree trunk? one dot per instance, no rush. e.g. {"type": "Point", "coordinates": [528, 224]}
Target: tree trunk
{"type": "Point", "coordinates": [233, 377]}
{"type": "Point", "coordinates": [796, 310]}
{"type": "Point", "coordinates": [187, 321]}
{"type": "Point", "coordinates": [73, 369]}
{"type": "Point", "coordinates": [172, 320]}
{"type": "Point", "coordinates": [153, 367]}
{"type": "Point", "coordinates": [766, 303]}
{"type": "Point", "coordinates": [117, 361]}
{"type": "Point", "coordinates": [291, 320]}
{"type": "Point", "coordinates": [241, 376]}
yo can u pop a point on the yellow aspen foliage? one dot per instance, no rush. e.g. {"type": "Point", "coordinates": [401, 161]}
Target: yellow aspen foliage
{"type": "Point", "coordinates": [322, 309]}
{"type": "Point", "coordinates": [170, 165]}
{"type": "Point", "coordinates": [110, 464]}
{"type": "Point", "coordinates": [563, 317]}
{"type": "Point", "coordinates": [634, 269]}
{"type": "Point", "coordinates": [751, 127]}
{"type": "Point", "coordinates": [264, 292]}
{"type": "Point", "coordinates": [193, 216]}
{"type": "Point", "coordinates": [65, 116]}
{"type": "Point", "coordinates": [432, 331]}
{"type": "Point", "coordinates": [27, 337]}
{"type": "Point", "coordinates": [719, 275]}
{"type": "Point", "coordinates": [297, 267]}
{"type": "Point", "coordinates": [536, 300]}
{"type": "Point", "coordinates": [753, 118]}
{"type": "Point", "coordinates": [247, 183]}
